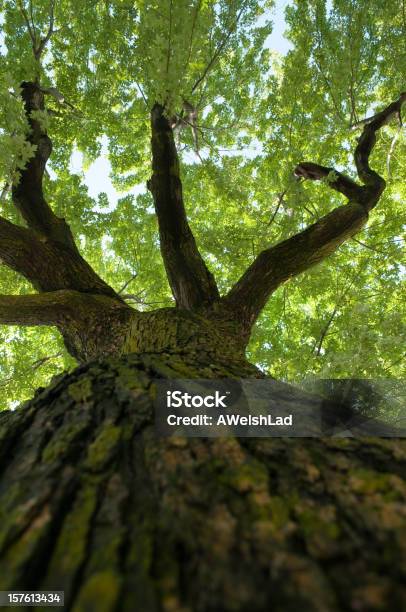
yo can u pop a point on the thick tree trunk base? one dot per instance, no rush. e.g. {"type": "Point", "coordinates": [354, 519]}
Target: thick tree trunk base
{"type": "Point", "coordinates": [93, 503]}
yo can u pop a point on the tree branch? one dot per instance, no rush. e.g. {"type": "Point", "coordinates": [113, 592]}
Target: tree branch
{"type": "Point", "coordinates": [49, 266]}
{"type": "Point", "coordinates": [33, 367]}
{"type": "Point", "coordinates": [374, 184]}
{"type": "Point", "coordinates": [191, 282]}
{"type": "Point", "coordinates": [218, 51]}
{"type": "Point", "coordinates": [336, 180]}
{"type": "Point", "coordinates": [40, 309]}
{"type": "Point", "coordinates": [130, 280]}
{"type": "Point", "coordinates": [38, 44]}
{"type": "Point", "coordinates": [21, 251]}
{"type": "Point", "coordinates": [192, 31]}
{"type": "Point", "coordinates": [74, 314]}
{"type": "Point", "coordinates": [28, 194]}
{"type": "Point", "coordinates": [289, 258]}
{"type": "Point", "coordinates": [392, 148]}
{"type": "Point", "coordinates": [45, 253]}
{"type": "Point", "coordinates": [330, 320]}
{"type": "Point", "coordinates": [29, 24]}
{"type": "Point", "coordinates": [323, 334]}
{"type": "Point", "coordinates": [44, 41]}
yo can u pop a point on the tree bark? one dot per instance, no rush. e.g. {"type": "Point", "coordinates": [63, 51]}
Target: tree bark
{"type": "Point", "coordinates": [192, 283]}
{"type": "Point", "coordinates": [28, 194]}
{"type": "Point", "coordinates": [45, 252]}
{"type": "Point", "coordinates": [277, 264]}
{"type": "Point", "coordinates": [93, 503]}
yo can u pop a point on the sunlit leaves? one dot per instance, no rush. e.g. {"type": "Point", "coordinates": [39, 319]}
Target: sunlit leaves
{"type": "Point", "coordinates": [259, 114]}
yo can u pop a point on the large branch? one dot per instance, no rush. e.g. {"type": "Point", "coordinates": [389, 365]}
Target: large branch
{"type": "Point", "coordinates": [191, 282]}
{"type": "Point", "coordinates": [48, 266]}
{"type": "Point", "coordinates": [289, 258]}
{"type": "Point", "coordinates": [55, 308]}
{"type": "Point", "coordinates": [19, 250]}
{"type": "Point", "coordinates": [374, 184]}
{"type": "Point", "coordinates": [28, 194]}
{"type": "Point", "coordinates": [45, 253]}
{"type": "Point", "coordinates": [40, 309]}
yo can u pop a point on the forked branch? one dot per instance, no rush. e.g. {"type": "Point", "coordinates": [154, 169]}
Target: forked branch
{"type": "Point", "coordinates": [289, 258]}
{"type": "Point", "coordinates": [38, 43]}
{"type": "Point", "coordinates": [48, 266]}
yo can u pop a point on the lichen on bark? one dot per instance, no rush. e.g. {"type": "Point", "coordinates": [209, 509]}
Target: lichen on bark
{"type": "Point", "coordinates": [92, 502]}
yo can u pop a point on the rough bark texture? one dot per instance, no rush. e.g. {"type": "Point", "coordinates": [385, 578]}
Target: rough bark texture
{"type": "Point", "coordinates": [191, 282]}
{"type": "Point", "coordinates": [45, 252]}
{"type": "Point", "coordinates": [28, 194]}
{"type": "Point", "coordinates": [93, 503]}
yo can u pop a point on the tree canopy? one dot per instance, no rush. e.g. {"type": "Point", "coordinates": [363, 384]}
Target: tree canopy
{"type": "Point", "coordinates": [257, 114]}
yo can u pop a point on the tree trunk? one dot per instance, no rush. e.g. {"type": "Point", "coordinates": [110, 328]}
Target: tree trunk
{"type": "Point", "coordinates": [93, 503]}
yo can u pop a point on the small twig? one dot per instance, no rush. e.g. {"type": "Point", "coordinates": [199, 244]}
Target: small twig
{"type": "Point", "coordinates": [284, 302]}
{"type": "Point", "coordinates": [280, 202]}
{"type": "Point", "coordinates": [32, 20]}
{"type": "Point", "coordinates": [392, 146]}
{"type": "Point", "coordinates": [394, 363]}
{"type": "Point", "coordinates": [33, 366]}
{"type": "Point", "coordinates": [40, 362]}
{"type": "Point", "coordinates": [134, 298]}
{"type": "Point", "coordinates": [197, 9]}
{"type": "Point", "coordinates": [5, 190]}
{"type": "Point", "coordinates": [404, 14]}
{"type": "Point", "coordinates": [354, 116]}
{"type": "Point", "coordinates": [324, 77]}
{"type": "Point", "coordinates": [142, 93]}
{"type": "Point", "coordinates": [218, 51]}
{"type": "Point", "coordinates": [325, 330]}
{"type": "Point", "coordinates": [169, 38]}
{"type": "Point", "coordinates": [367, 246]}
{"type": "Point", "coordinates": [330, 320]}
{"type": "Point", "coordinates": [130, 280]}
{"type": "Point", "coordinates": [29, 21]}
{"type": "Point", "coordinates": [28, 24]}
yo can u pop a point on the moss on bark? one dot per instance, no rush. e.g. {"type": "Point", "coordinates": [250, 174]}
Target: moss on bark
{"type": "Point", "coordinates": [93, 503]}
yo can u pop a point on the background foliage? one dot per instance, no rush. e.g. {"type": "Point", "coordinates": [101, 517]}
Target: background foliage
{"type": "Point", "coordinates": [259, 114]}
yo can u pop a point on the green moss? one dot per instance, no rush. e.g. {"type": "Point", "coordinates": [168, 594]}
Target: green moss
{"type": "Point", "coordinates": [140, 554]}
{"type": "Point", "coordinates": [58, 446]}
{"type": "Point", "coordinates": [130, 378]}
{"type": "Point", "coordinates": [99, 593]}
{"type": "Point", "coordinates": [70, 548]}
{"type": "Point", "coordinates": [103, 448]}
{"type": "Point", "coordinates": [319, 529]}
{"type": "Point", "coordinates": [81, 390]}
{"type": "Point", "coordinates": [250, 476]}
{"type": "Point", "coordinates": [367, 482]}
{"type": "Point", "coordinates": [280, 511]}
{"type": "Point", "coordinates": [312, 522]}
{"type": "Point", "coordinates": [19, 511]}
{"type": "Point", "coordinates": [22, 550]}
